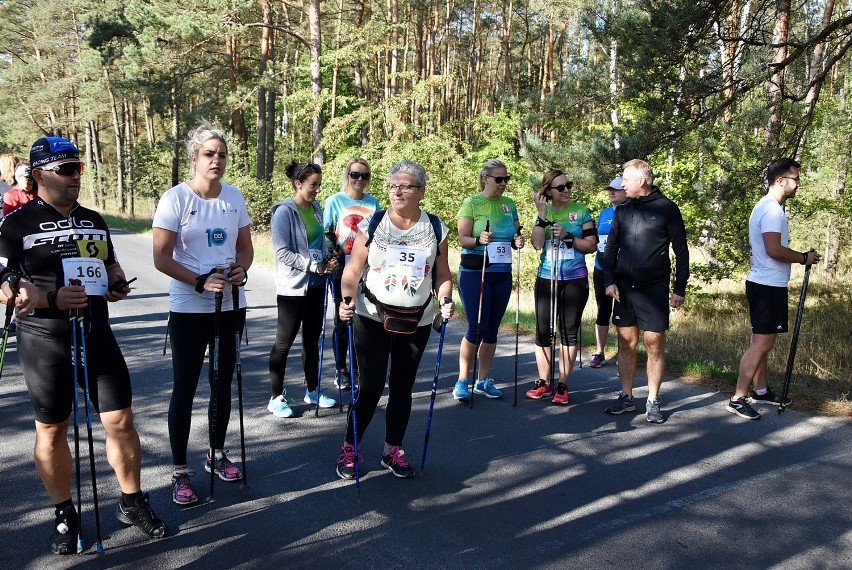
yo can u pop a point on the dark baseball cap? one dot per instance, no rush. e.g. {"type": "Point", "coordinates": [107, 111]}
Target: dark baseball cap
{"type": "Point", "coordinates": [51, 149]}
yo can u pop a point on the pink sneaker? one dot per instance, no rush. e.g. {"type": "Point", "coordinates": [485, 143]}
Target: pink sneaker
{"type": "Point", "coordinates": [226, 470]}
{"type": "Point", "coordinates": [182, 492]}
{"type": "Point", "coordinates": [597, 360]}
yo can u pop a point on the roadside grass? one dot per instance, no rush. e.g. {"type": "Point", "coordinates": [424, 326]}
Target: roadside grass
{"type": "Point", "coordinates": [708, 334]}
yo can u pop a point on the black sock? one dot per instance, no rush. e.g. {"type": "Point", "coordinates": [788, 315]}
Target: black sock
{"type": "Point", "coordinates": [129, 499]}
{"type": "Point", "coordinates": [63, 505]}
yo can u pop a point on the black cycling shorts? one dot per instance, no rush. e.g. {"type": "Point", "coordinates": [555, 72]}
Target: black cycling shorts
{"type": "Point", "coordinates": [46, 362]}
{"type": "Point", "coordinates": [646, 307]}
{"type": "Point", "coordinates": [767, 308]}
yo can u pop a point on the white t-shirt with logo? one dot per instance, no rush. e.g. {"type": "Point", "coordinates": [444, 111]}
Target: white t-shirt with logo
{"type": "Point", "coordinates": [400, 265]}
{"type": "Point", "coordinates": [206, 238]}
{"type": "Point", "coordinates": [767, 217]}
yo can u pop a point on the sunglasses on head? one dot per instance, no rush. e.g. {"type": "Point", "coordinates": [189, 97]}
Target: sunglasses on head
{"type": "Point", "coordinates": [500, 179]}
{"type": "Point", "coordinates": [562, 187]}
{"type": "Point", "coordinates": [65, 169]}
{"type": "Point", "coordinates": [359, 175]}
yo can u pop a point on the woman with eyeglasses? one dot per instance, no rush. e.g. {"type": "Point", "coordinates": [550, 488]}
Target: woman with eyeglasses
{"type": "Point", "coordinates": [302, 264]}
{"type": "Point", "coordinates": [487, 209]}
{"type": "Point", "coordinates": [341, 215]}
{"type": "Point", "coordinates": [401, 253]}
{"type": "Point", "coordinates": [573, 228]}
{"type": "Point", "coordinates": [202, 240]}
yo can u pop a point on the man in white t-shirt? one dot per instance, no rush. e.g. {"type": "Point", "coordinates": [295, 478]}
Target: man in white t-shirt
{"type": "Point", "coordinates": [766, 285]}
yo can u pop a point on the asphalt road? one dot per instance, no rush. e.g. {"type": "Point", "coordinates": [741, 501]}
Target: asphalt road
{"type": "Point", "coordinates": [532, 486]}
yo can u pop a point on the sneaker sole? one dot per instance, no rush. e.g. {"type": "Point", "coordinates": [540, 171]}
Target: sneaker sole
{"type": "Point", "coordinates": [184, 503]}
{"type": "Point", "coordinates": [612, 412]}
{"type": "Point", "coordinates": [654, 420]}
{"type": "Point", "coordinates": [463, 399]}
{"type": "Point", "coordinates": [541, 397]}
{"type": "Point", "coordinates": [323, 406]}
{"type": "Point", "coordinates": [752, 401]}
{"type": "Point", "coordinates": [222, 477]}
{"type": "Point", "coordinates": [742, 415]}
{"type": "Point", "coordinates": [565, 403]}
{"type": "Point", "coordinates": [123, 518]}
{"type": "Point", "coordinates": [345, 476]}
{"type": "Point", "coordinates": [486, 394]}
{"type": "Point", "coordinates": [395, 474]}
{"type": "Point", "coordinates": [280, 414]}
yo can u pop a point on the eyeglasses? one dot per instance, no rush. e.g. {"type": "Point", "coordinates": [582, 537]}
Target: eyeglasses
{"type": "Point", "coordinates": [65, 169]}
{"type": "Point", "coordinates": [359, 175]}
{"type": "Point", "coordinates": [500, 179]}
{"type": "Point", "coordinates": [404, 188]}
{"type": "Point", "coordinates": [562, 187]}
{"type": "Point", "coordinates": [796, 178]}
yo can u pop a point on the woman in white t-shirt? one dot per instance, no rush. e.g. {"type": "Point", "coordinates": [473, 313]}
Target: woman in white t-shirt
{"type": "Point", "coordinates": [202, 227]}
{"type": "Point", "coordinates": [397, 262]}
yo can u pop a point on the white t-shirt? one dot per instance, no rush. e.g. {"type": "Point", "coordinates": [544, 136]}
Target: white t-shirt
{"type": "Point", "coordinates": [206, 238]}
{"type": "Point", "coordinates": [767, 216]}
{"type": "Point", "coordinates": [399, 265]}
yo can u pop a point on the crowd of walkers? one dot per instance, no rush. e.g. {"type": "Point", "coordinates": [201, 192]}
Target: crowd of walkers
{"type": "Point", "coordinates": [388, 276]}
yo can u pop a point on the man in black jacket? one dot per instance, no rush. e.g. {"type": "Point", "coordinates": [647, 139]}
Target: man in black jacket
{"type": "Point", "coordinates": [637, 273]}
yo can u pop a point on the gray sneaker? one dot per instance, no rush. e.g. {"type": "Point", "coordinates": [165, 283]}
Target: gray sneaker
{"type": "Point", "coordinates": [653, 413]}
{"type": "Point", "coordinates": [623, 403]}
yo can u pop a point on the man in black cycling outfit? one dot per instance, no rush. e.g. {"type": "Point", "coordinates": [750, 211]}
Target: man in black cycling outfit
{"type": "Point", "coordinates": [637, 272]}
{"type": "Point", "coordinates": [50, 240]}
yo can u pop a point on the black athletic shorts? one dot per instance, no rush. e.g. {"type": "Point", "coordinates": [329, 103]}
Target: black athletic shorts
{"type": "Point", "coordinates": [767, 308]}
{"type": "Point", "coordinates": [646, 307]}
{"type": "Point", "coordinates": [46, 362]}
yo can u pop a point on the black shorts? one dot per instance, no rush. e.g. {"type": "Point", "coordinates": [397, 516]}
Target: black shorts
{"type": "Point", "coordinates": [767, 308]}
{"type": "Point", "coordinates": [646, 307]}
{"type": "Point", "coordinates": [46, 362]}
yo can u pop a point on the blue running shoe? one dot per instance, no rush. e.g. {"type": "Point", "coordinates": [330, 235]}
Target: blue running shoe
{"type": "Point", "coordinates": [279, 407]}
{"type": "Point", "coordinates": [461, 392]}
{"type": "Point", "coordinates": [324, 401]}
{"type": "Point", "coordinates": [486, 387]}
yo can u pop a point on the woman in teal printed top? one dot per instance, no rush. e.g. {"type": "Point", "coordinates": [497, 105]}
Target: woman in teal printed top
{"type": "Point", "coordinates": [490, 208]}
{"type": "Point", "coordinates": [574, 229]}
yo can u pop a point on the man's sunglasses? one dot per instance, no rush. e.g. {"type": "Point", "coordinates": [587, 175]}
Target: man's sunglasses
{"type": "Point", "coordinates": [359, 175]}
{"type": "Point", "coordinates": [500, 179]}
{"type": "Point", "coordinates": [562, 187]}
{"type": "Point", "coordinates": [65, 169]}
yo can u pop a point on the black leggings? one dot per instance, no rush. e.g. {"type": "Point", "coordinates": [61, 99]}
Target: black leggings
{"type": "Point", "coordinates": [373, 346]}
{"type": "Point", "coordinates": [188, 346]}
{"type": "Point", "coordinates": [294, 312]}
{"type": "Point", "coordinates": [603, 300]}
{"type": "Point", "coordinates": [571, 297]}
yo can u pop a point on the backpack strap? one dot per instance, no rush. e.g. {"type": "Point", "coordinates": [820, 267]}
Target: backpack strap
{"type": "Point", "coordinates": [379, 216]}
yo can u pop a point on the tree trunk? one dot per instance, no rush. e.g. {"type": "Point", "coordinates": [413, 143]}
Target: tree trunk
{"type": "Point", "coordinates": [175, 135]}
{"type": "Point", "coordinates": [96, 156]}
{"type": "Point", "coordinates": [814, 83]}
{"type": "Point", "coordinates": [119, 146]}
{"type": "Point", "coordinates": [316, 82]}
{"type": "Point", "coordinates": [128, 156]}
{"type": "Point", "coordinates": [238, 122]}
{"type": "Point", "coordinates": [775, 85]}
{"type": "Point", "coordinates": [358, 71]}
{"type": "Point", "coordinates": [262, 169]}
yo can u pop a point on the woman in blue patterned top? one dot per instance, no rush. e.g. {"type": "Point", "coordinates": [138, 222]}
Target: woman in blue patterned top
{"type": "Point", "coordinates": [574, 230]}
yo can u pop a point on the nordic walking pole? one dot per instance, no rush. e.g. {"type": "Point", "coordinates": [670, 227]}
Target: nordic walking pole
{"type": "Point", "coordinates": [235, 303]}
{"type": "Point", "coordinates": [214, 387]}
{"type": "Point", "coordinates": [517, 315]}
{"type": "Point", "coordinates": [335, 339]}
{"type": "Point", "coordinates": [86, 397]}
{"type": "Point", "coordinates": [475, 374]}
{"type": "Point", "coordinates": [322, 345]}
{"type": "Point", "coordinates": [14, 279]}
{"type": "Point", "coordinates": [352, 401]}
{"type": "Point", "coordinates": [72, 321]}
{"type": "Point", "coordinates": [554, 292]}
{"type": "Point", "coordinates": [434, 388]}
{"type": "Point", "coordinates": [166, 340]}
{"type": "Point", "coordinates": [794, 341]}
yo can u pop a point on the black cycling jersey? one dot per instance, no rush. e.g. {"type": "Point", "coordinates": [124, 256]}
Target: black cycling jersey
{"type": "Point", "coordinates": [35, 238]}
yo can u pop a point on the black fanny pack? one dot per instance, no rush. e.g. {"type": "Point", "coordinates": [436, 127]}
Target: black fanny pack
{"type": "Point", "coordinates": [399, 320]}
{"type": "Point", "coordinates": [473, 261]}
